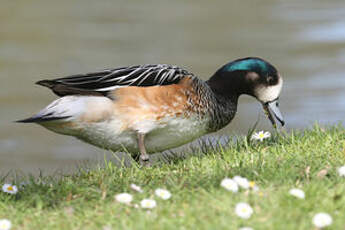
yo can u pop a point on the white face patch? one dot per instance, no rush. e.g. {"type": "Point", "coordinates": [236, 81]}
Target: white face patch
{"type": "Point", "coordinates": [269, 93]}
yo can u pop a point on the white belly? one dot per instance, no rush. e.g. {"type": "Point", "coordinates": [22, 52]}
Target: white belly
{"type": "Point", "coordinates": [168, 133]}
{"type": "Point", "coordinates": [177, 132]}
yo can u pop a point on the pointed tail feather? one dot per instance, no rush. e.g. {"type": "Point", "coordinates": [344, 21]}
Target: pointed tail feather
{"type": "Point", "coordinates": [47, 83]}
{"type": "Point", "coordinates": [38, 119]}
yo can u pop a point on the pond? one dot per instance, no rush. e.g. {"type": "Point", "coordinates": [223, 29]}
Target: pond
{"type": "Point", "coordinates": [40, 40]}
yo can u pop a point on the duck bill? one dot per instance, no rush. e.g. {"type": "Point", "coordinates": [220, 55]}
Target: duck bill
{"type": "Point", "coordinates": [273, 112]}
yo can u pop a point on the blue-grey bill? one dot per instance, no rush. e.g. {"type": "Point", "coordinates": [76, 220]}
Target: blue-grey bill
{"type": "Point", "coordinates": [272, 109]}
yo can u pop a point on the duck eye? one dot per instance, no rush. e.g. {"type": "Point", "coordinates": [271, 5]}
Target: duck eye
{"type": "Point", "coordinates": [270, 80]}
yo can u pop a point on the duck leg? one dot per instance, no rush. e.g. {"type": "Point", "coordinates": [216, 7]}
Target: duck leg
{"type": "Point", "coordinates": [144, 157]}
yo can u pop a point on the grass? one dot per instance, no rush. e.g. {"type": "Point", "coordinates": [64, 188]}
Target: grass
{"type": "Point", "coordinates": [85, 200]}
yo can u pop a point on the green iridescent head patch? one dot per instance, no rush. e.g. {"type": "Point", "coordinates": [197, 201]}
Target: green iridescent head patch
{"type": "Point", "coordinates": [250, 64]}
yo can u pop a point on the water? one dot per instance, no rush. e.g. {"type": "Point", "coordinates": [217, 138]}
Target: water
{"type": "Point", "coordinates": [304, 40]}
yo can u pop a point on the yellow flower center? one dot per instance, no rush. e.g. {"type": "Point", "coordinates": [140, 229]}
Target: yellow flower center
{"type": "Point", "coordinates": [10, 188]}
{"type": "Point", "coordinates": [251, 184]}
{"type": "Point", "coordinates": [261, 135]}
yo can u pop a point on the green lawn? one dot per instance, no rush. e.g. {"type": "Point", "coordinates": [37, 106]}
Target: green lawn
{"type": "Point", "coordinates": [86, 200]}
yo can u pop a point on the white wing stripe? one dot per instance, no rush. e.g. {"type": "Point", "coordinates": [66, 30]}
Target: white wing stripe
{"type": "Point", "coordinates": [110, 88]}
{"type": "Point", "coordinates": [144, 78]}
{"type": "Point", "coordinates": [120, 78]}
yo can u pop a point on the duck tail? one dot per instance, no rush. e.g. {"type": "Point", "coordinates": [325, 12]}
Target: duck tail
{"type": "Point", "coordinates": [47, 83]}
{"type": "Point", "coordinates": [41, 118]}
{"type": "Point", "coordinates": [63, 109]}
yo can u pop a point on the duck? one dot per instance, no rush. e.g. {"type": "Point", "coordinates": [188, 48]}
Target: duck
{"type": "Point", "coordinates": [144, 109]}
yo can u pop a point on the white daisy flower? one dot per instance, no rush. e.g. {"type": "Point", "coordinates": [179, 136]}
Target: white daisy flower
{"type": "Point", "coordinates": [148, 203]}
{"type": "Point", "coordinates": [242, 182]}
{"type": "Point", "coordinates": [246, 228]}
{"type": "Point", "coordinates": [297, 193]}
{"type": "Point", "coordinates": [322, 220]}
{"type": "Point", "coordinates": [107, 227]}
{"type": "Point", "coordinates": [341, 171]}
{"type": "Point", "coordinates": [243, 210]}
{"type": "Point", "coordinates": [163, 193]}
{"type": "Point", "coordinates": [124, 198]}
{"type": "Point", "coordinates": [136, 188]}
{"type": "Point", "coordinates": [5, 224]}
{"type": "Point", "coordinates": [261, 135]}
{"type": "Point", "coordinates": [229, 184]}
{"type": "Point", "coordinates": [8, 188]}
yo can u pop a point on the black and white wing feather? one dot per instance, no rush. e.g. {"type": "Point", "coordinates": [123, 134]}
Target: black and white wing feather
{"type": "Point", "coordinates": [100, 83]}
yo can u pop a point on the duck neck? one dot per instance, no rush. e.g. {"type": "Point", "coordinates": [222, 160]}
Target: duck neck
{"type": "Point", "coordinates": [226, 90]}
{"type": "Point", "coordinates": [221, 108]}
{"type": "Point", "coordinates": [223, 111]}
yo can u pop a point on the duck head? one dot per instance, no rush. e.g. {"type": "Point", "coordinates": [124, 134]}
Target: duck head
{"type": "Point", "coordinates": [252, 76]}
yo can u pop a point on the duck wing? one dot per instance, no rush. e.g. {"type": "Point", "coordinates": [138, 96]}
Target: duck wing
{"type": "Point", "coordinates": [101, 82]}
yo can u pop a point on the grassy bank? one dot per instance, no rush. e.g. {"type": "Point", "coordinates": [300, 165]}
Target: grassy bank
{"type": "Point", "coordinates": [86, 200]}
